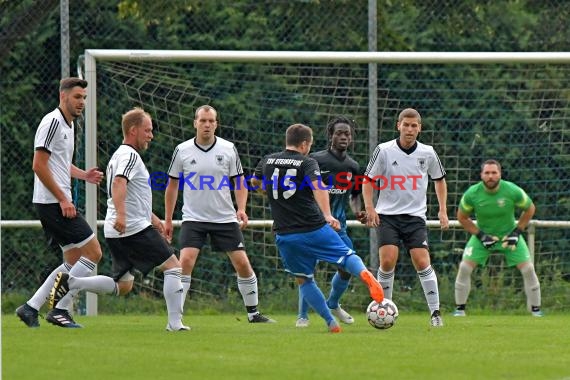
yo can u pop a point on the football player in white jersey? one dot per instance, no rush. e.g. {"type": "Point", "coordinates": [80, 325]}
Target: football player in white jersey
{"type": "Point", "coordinates": [206, 167]}
{"type": "Point", "coordinates": [401, 169]}
{"type": "Point", "coordinates": [132, 231]}
{"type": "Point", "coordinates": [53, 170]}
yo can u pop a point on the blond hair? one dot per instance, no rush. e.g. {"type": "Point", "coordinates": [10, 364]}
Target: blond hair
{"type": "Point", "coordinates": [133, 118]}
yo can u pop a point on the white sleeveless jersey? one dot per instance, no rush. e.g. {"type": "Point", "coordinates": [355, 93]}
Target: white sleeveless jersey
{"type": "Point", "coordinates": [403, 177]}
{"type": "Point", "coordinates": [126, 162]}
{"type": "Point", "coordinates": [205, 177]}
{"type": "Point", "coordinates": [57, 137]}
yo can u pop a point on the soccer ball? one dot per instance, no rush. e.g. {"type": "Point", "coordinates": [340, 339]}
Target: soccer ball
{"type": "Point", "coordinates": [382, 315]}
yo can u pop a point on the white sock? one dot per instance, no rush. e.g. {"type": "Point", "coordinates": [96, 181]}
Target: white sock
{"type": "Point", "coordinates": [42, 294]}
{"type": "Point", "coordinates": [531, 285]}
{"type": "Point", "coordinates": [248, 289]}
{"type": "Point", "coordinates": [463, 283]}
{"type": "Point", "coordinates": [428, 279]}
{"type": "Point", "coordinates": [82, 268]}
{"type": "Point", "coordinates": [186, 279]}
{"type": "Point", "coordinates": [172, 290]}
{"type": "Point", "coordinates": [386, 279]}
{"type": "Point", "coordinates": [96, 284]}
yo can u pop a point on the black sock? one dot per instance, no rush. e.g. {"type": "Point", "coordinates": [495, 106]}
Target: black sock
{"type": "Point", "coordinates": [251, 309]}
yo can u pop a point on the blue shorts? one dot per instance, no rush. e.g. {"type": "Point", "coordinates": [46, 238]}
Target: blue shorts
{"type": "Point", "coordinates": [344, 236]}
{"type": "Point", "coordinates": [300, 252]}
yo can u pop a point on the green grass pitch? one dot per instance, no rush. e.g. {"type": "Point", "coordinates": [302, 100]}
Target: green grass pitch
{"type": "Point", "coordinates": [227, 347]}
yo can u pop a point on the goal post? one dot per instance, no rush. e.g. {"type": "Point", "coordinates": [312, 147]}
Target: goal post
{"type": "Point", "coordinates": [457, 108]}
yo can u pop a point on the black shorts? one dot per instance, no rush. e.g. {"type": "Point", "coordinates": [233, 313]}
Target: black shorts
{"type": "Point", "coordinates": [407, 229]}
{"type": "Point", "coordinates": [226, 237]}
{"type": "Point", "coordinates": [67, 233]}
{"type": "Point", "coordinates": [143, 251]}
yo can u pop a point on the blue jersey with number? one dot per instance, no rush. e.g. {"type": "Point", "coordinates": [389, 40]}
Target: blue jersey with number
{"type": "Point", "coordinates": [287, 180]}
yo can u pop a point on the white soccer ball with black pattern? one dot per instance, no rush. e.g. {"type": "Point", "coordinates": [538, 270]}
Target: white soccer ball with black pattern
{"type": "Point", "coordinates": [382, 315]}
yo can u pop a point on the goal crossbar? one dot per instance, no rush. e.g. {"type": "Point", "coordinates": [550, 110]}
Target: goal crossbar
{"type": "Point", "coordinates": [326, 57]}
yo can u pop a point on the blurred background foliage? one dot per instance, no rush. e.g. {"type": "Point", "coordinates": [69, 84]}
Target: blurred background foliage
{"type": "Point", "coordinates": [30, 67]}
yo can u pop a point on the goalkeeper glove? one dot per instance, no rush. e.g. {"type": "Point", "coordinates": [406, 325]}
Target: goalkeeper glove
{"type": "Point", "coordinates": [510, 241]}
{"type": "Point", "coordinates": [487, 240]}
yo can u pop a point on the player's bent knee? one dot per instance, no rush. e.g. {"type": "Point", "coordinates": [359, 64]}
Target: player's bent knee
{"type": "Point", "coordinates": [465, 267]}
{"type": "Point", "coordinates": [92, 250]}
{"type": "Point", "coordinates": [170, 263]}
{"type": "Point", "coordinates": [526, 267]}
{"type": "Point", "coordinates": [127, 277]}
{"type": "Point", "coordinates": [125, 287]}
{"type": "Point", "coordinates": [125, 283]}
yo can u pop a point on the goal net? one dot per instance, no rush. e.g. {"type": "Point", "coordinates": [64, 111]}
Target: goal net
{"type": "Point", "coordinates": [515, 112]}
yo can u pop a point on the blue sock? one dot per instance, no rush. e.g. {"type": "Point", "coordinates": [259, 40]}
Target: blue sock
{"type": "Point", "coordinates": [339, 286]}
{"type": "Point", "coordinates": [303, 306]}
{"type": "Point", "coordinates": [353, 264]}
{"type": "Point", "coordinates": [316, 299]}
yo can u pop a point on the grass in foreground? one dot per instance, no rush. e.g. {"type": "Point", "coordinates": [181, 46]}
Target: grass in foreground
{"type": "Point", "coordinates": [227, 347]}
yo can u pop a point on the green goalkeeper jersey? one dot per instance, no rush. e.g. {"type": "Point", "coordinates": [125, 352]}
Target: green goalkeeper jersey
{"type": "Point", "coordinates": [495, 212]}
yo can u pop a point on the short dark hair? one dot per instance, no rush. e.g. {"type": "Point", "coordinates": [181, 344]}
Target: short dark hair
{"type": "Point", "coordinates": [68, 83]}
{"type": "Point", "coordinates": [410, 112]}
{"type": "Point", "coordinates": [297, 133]}
{"type": "Point", "coordinates": [340, 119]}
{"type": "Point", "coordinates": [491, 162]}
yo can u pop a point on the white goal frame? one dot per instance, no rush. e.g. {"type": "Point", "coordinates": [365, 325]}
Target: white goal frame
{"type": "Point", "coordinates": [370, 58]}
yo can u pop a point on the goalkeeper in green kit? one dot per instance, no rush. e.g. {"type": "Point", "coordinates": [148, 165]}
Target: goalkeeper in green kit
{"type": "Point", "coordinates": [494, 202]}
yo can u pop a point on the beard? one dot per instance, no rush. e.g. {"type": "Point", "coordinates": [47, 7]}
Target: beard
{"type": "Point", "coordinates": [491, 185]}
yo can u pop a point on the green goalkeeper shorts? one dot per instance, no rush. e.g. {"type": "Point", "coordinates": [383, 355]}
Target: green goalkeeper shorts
{"type": "Point", "coordinates": [475, 251]}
